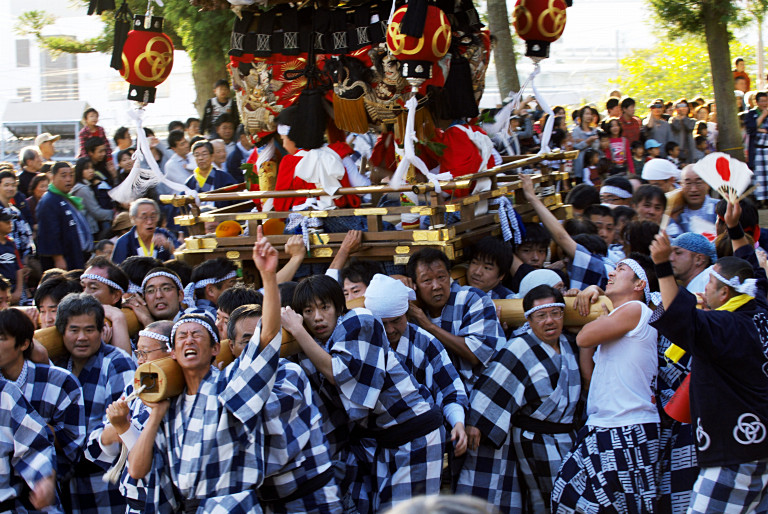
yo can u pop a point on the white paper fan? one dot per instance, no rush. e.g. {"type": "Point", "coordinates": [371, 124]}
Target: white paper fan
{"type": "Point", "coordinates": [728, 176]}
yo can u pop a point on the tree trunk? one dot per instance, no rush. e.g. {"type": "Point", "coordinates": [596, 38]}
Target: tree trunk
{"type": "Point", "coordinates": [716, 32]}
{"type": "Point", "coordinates": [760, 82]}
{"type": "Point", "coordinates": [205, 72]}
{"type": "Point", "coordinates": [504, 50]}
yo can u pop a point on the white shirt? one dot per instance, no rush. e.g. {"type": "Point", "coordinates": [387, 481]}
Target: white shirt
{"type": "Point", "coordinates": [179, 169]}
{"type": "Point", "coordinates": [621, 392]}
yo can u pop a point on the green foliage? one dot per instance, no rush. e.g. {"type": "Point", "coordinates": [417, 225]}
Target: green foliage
{"type": "Point", "coordinates": [682, 17]}
{"type": "Point", "coordinates": [672, 70]}
{"type": "Point", "coordinates": [202, 34]}
{"type": "Point", "coordinates": [251, 176]}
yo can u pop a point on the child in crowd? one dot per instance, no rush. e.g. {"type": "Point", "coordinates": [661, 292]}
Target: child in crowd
{"type": "Point", "coordinates": [219, 104]}
{"type": "Point", "coordinates": [591, 171]}
{"type": "Point", "coordinates": [673, 153]}
{"type": "Point", "coordinates": [10, 261]}
{"type": "Point", "coordinates": [638, 157]}
{"type": "Point", "coordinates": [653, 149]}
{"type": "Point", "coordinates": [91, 128]}
{"type": "Point", "coordinates": [488, 266]}
{"type": "Point", "coordinates": [618, 147]}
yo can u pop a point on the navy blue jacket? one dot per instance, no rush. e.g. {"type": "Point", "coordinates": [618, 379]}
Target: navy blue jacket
{"type": "Point", "coordinates": [729, 385]}
{"type": "Point", "coordinates": [127, 245]}
{"type": "Point", "coordinates": [57, 232]}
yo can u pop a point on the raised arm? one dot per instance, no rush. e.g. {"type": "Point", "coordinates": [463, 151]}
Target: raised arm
{"type": "Point", "coordinates": [561, 237]}
{"type": "Point", "coordinates": [141, 455]}
{"type": "Point", "coordinates": [265, 257]}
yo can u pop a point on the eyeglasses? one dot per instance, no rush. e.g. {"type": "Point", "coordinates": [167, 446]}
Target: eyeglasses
{"type": "Point", "coordinates": [198, 155]}
{"type": "Point", "coordinates": [145, 217]}
{"type": "Point", "coordinates": [140, 354]}
{"type": "Point", "coordinates": [656, 106]}
{"type": "Point", "coordinates": [164, 289]}
{"type": "Point", "coordinates": [541, 316]}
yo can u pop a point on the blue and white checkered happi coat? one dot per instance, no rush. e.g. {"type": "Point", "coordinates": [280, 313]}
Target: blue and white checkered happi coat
{"type": "Point", "coordinates": [216, 455]}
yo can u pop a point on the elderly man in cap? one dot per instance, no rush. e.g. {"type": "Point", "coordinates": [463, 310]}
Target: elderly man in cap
{"type": "Point", "coordinates": [691, 258]}
{"type": "Point", "coordinates": [45, 143]}
{"type": "Point", "coordinates": [661, 173]}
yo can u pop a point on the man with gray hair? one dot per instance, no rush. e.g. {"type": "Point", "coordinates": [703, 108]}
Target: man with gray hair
{"type": "Point", "coordinates": [30, 162]}
{"type": "Point", "coordinates": [104, 371]}
{"type": "Point", "coordinates": [146, 238]}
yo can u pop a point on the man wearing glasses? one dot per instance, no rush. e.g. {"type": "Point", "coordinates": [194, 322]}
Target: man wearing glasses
{"type": "Point", "coordinates": [655, 127]}
{"type": "Point", "coordinates": [145, 238]}
{"type": "Point", "coordinates": [207, 176]}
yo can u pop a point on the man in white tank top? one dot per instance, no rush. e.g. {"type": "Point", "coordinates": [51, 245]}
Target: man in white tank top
{"type": "Point", "coordinates": [612, 464]}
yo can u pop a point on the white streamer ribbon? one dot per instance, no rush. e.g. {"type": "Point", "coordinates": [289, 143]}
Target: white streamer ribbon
{"type": "Point", "coordinates": [748, 287]}
{"type": "Point", "coordinates": [504, 116]}
{"type": "Point", "coordinates": [265, 153]}
{"type": "Point", "coordinates": [144, 153]}
{"type": "Point", "coordinates": [546, 134]}
{"type": "Point", "coordinates": [408, 152]}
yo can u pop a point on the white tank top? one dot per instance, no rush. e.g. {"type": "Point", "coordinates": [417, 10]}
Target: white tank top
{"type": "Point", "coordinates": [621, 392]}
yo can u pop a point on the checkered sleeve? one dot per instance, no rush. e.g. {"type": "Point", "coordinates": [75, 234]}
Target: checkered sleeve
{"type": "Point", "coordinates": [586, 269]}
{"type": "Point", "coordinates": [251, 379]}
{"type": "Point", "coordinates": [480, 327]}
{"type": "Point", "coordinates": [444, 381]}
{"type": "Point", "coordinates": [32, 454]}
{"type": "Point", "coordinates": [358, 360]}
{"type": "Point", "coordinates": [69, 421]}
{"type": "Point", "coordinates": [496, 396]}
{"type": "Point", "coordinates": [56, 395]}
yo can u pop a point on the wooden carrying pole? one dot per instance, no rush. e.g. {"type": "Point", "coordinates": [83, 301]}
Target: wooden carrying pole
{"type": "Point", "coordinates": [51, 339]}
{"type": "Point", "coordinates": [462, 182]}
{"type": "Point", "coordinates": [511, 312]}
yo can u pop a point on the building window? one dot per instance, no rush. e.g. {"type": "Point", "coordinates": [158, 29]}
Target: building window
{"type": "Point", "coordinates": [24, 94]}
{"type": "Point", "coordinates": [22, 53]}
{"type": "Point", "coordinates": [59, 76]}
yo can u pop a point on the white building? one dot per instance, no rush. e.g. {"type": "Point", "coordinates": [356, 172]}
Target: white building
{"type": "Point", "coordinates": [45, 93]}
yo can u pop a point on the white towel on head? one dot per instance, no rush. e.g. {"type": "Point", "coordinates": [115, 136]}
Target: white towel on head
{"type": "Point", "coordinates": [387, 297]}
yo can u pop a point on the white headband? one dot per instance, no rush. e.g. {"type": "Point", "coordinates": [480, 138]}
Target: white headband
{"type": "Point", "coordinates": [199, 321]}
{"type": "Point", "coordinates": [749, 287]}
{"type": "Point", "coordinates": [156, 337]}
{"type": "Point", "coordinates": [640, 272]}
{"type": "Point", "coordinates": [283, 130]}
{"type": "Point", "coordinates": [133, 288]}
{"type": "Point", "coordinates": [189, 292]}
{"type": "Point", "coordinates": [103, 280]}
{"type": "Point", "coordinates": [530, 311]}
{"type": "Point", "coordinates": [615, 191]}
{"type": "Point", "coordinates": [387, 297]}
{"type": "Point", "coordinates": [160, 274]}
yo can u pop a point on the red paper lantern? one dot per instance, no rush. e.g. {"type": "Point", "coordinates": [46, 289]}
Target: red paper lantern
{"type": "Point", "coordinates": [418, 54]}
{"type": "Point", "coordinates": [539, 23]}
{"type": "Point", "coordinates": [147, 58]}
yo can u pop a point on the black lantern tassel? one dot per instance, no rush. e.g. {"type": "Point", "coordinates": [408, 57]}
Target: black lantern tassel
{"type": "Point", "coordinates": [414, 18]}
{"type": "Point", "coordinates": [123, 19]}
{"type": "Point", "coordinates": [99, 6]}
